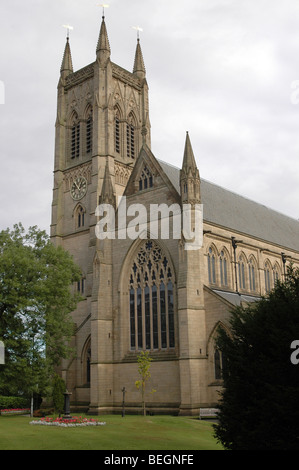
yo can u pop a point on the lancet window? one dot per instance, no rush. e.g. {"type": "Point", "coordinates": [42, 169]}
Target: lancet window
{"type": "Point", "coordinates": [223, 268]}
{"type": "Point", "coordinates": [276, 274]}
{"type": "Point", "coordinates": [89, 123]}
{"type": "Point", "coordinates": [241, 267]}
{"type": "Point", "coordinates": [212, 266]}
{"type": "Point", "coordinates": [131, 137]}
{"type": "Point", "coordinates": [75, 138]}
{"type": "Point", "coordinates": [80, 217]}
{"type": "Point", "coordinates": [117, 131]}
{"type": "Point", "coordinates": [252, 275]}
{"type": "Point", "coordinates": [219, 364]}
{"type": "Point", "coordinates": [151, 300]}
{"type": "Point", "coordinates": [267, 277]}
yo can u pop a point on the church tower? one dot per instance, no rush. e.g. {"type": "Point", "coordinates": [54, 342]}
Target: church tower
{"type": "Point", "coordinates": [102, 122]}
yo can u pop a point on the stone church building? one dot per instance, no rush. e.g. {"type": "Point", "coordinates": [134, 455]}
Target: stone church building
{"type": "Point", "coordinates": [149, 293]}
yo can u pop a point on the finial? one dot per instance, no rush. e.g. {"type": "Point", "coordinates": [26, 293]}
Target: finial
{"type": "Point", "coordinates": [68, 28]}
{"type": "Point", "coordinates": [103, 5]}
{"type": "Point", "coordinates": [138, 29]}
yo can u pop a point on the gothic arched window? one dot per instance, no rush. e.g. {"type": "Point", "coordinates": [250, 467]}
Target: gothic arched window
{"type": "Point", "coordinates": [146, 179]}
{"type": "Point", "coordinates": [212, 266]}
{"type": "Point", "coordinates": [75, 137]}
{"type": "Point", "coordinates": [252, 275]}
{"type": "Point", "coordinates": [80, 216]}
{"type": "Point", "coordinates": [276, 273]}
{"type": "Point", "coordinates": [131, 137]}
{"type": "Point", "coordinates": [151, 300]}
{"type": "Point", "coordinates": [219, 364]}
{"type": "Point", "coordinates": [267, 277]}
{"type": "Point", "coordinates": [85, 360]}
{"type": "Point", "coordinates": [223, 268]}
{"type": "Point", "coordinates": [242, 279]}
{"type": "Point", "coordinates": [89, 124]}
{"type": "Point", "coordinates": [117, 131]}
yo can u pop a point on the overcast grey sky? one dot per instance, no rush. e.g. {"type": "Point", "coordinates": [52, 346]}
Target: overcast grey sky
{"type": "Point", "coordinates": [221, 69]}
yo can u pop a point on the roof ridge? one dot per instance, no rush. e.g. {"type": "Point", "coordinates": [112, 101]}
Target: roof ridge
{"type": "Point", "coordinates": [236, 194]}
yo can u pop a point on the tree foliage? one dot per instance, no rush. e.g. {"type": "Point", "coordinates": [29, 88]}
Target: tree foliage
{"type": "Point", "coordinates": [144, 361]}
{"type": "Point", "coordinates": [259, 404]}
{"type": "Point", "coordinates": [35, 305]}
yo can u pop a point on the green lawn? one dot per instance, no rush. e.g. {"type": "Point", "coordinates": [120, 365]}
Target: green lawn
{"type": "Point", "coordinates": [129, 433]}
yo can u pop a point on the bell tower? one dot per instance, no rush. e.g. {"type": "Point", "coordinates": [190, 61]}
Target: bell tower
{"type": "Point", "coordinates": [102, 122]}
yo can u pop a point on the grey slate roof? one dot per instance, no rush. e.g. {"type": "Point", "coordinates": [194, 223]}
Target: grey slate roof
{"type": "Point", "coordinates": [232, 211]}
{"type": "Point", "coordinates": [235, 298]}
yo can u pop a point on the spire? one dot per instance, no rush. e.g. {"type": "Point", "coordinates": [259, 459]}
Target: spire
{"type": "Point", "coordinates": [107, 195]}
{"type": "Point", "coordinates": [189, 162]}
{"type": "Point", "coordinates": [67, 64]}
{"type": "Point", "coordinates": [103, 47]}
{"type": "Point", "coordinates": [139, 67]}
{"type": "Point", "coordinates": [189, 176]}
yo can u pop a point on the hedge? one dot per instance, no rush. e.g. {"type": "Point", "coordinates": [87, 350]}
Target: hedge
{"type": "Point", "coordinates": [13, 402]}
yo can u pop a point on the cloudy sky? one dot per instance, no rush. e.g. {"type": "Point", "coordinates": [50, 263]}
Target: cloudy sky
{"type": "Point", "coordinates": [227, 71]}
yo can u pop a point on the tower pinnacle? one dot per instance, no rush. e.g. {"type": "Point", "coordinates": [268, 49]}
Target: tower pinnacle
{"type": "Point", "coordinates": [139, 67]}
{"type": "Point", "coordinates": [107, 195]}
{"type": "Point", "coordinates": [189, 176]}
{"type": "Point", "coordinates": [67, 64]}
{"type": "Point", "coordinates": [189, 162]}
{"type": "Point", "coordinates": [103, 46]}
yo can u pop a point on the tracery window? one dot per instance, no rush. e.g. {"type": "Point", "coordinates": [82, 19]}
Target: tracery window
{"type": "Point", "coordinates": [212, 266]}
{"type": "Point", "coordinates": [151, 300]}
{"type": "Point", "coordinates": [146, 179]}
{"type": "Point", "coordinates": [80, 217]}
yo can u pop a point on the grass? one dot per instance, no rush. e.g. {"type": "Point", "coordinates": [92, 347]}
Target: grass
{"type": "Point", "coordinates": [129, 433]}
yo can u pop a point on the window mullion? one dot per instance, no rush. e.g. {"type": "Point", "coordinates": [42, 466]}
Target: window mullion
{"type": "Point", "coordinates": [166, 313]}
{"type": "Point", "coordinates": [151, 317]}
{"type": "Point", "coordinates": [159, 318]}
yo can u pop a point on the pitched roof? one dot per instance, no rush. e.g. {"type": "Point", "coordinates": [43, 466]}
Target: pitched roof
{"type": "Point", "coordinates": [227, 209]}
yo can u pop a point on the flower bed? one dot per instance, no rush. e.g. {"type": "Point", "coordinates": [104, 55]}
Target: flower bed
{"type": "Point", "coordinates": [15, 411]}
{"type": "Point", "coordinates": [75, 421]}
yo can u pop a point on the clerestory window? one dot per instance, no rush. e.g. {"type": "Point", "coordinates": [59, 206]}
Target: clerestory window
{"type": "Point", "coordinates": [223, 268]}
{"type": "Point", "coordinates": [267, 277]}
{"type": "Point", "coordinates": [212, 266]}
{"type": "Point", "coordinates": [241, 268]}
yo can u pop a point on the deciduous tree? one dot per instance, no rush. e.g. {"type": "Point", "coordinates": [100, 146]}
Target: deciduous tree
{"type": "Point", "coordinates": [36, 298]}
{"type": "Point", "coordinates": [144, 361]}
